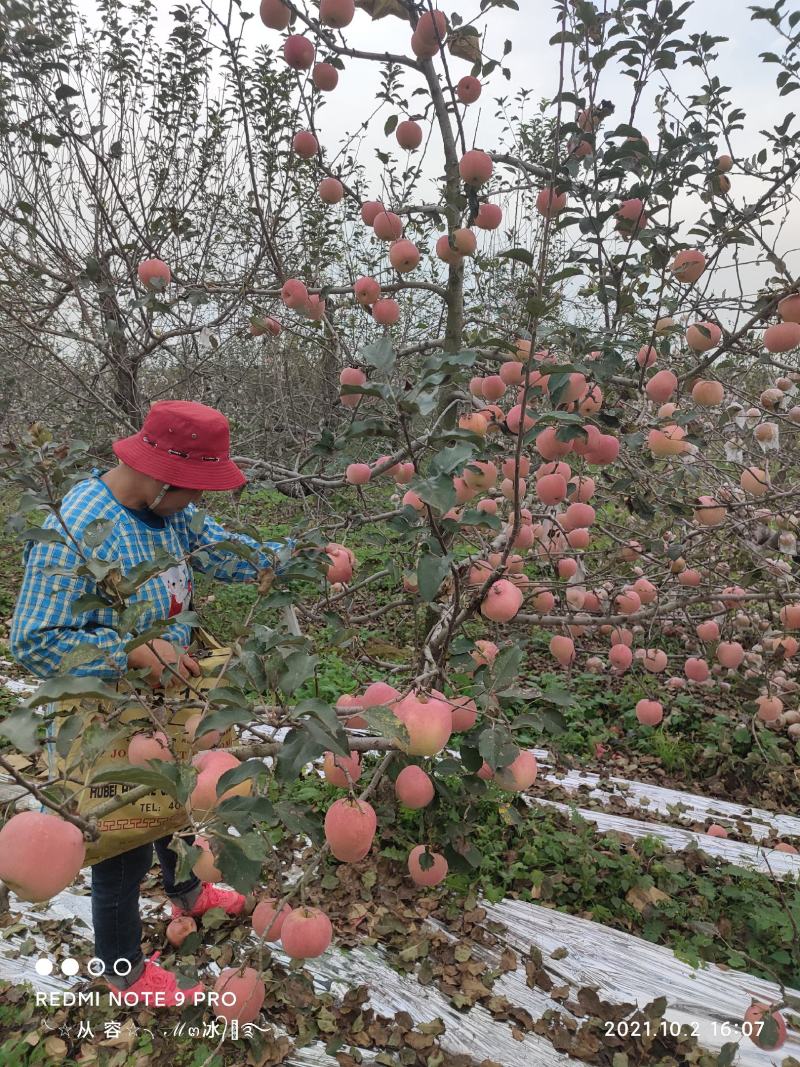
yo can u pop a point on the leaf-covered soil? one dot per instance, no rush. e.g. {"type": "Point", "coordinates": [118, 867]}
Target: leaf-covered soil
{"type": "Point", "coordinates": [702, 908]}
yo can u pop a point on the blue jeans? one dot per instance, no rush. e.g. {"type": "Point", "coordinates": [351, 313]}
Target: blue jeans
{"type": "Point", "coordinates": [115, 900]}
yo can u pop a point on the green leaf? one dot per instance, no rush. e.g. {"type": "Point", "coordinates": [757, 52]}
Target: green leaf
{"type": "Point", "coordinates": [471, 758]}
{"type": "Point", "coordinates": [70, 728]}
{"type": "Point", "coordinates": [562, 698]}
{"type": "Point", "coordinates": [473, 517]}
{"type": "Point", "coordinates": [156, 630]}
{"type": "Point", "coordinates": [20, 728]}
{"type": "Point", "coordinates": [553, 721]}
{"type": "Point", "coordinates": [496, 747]}
{"type": "Point", "coordinates": [379, 355]}
{"type": "Point", "coordinates": [522, 255]}
{"type": "Point", "coordinates": [142, 572]}
{"type": "Point", "coordinates": [89, 602]}
{"type": "Point", "coordinates": [452, 458]}
{"type": "Point", "coordinates": [246, 810]}
{"type": "Point", "coordinates": [97, 531]}
{"type": "Point", "coordinates": [431, 572]}
{"type": "Point", "coordinates": [727, 1054]}
{"type": "Point", "coordinates": [296, 821]}
{"type": "Point", "coordinates": [320, 734]}
{"type": "Point", "coordinates": [60, 688]}
{"type": "Point", "coordinates": [221, 718]}
{"type": "Point", "coordinates": [237, 548]}
{"type": "Point", "coordinates": [382, 722]}
{"type": "Point", "coordinates": [438, 491]}
{"type": "Point", "coordinates": [240, 860]}
{"type": "Point", "coordinates": [187, 855]}
{"type": "Point", "coordinates": [42, 534]}
{"type": "Point", "coordinates": [247, 771]}
{"type": "Point", "coordinates": [298, 748]}
{"type": "Point", "coordinates": [158, 779]}
{"type": "Point", "coordinates": [506, 668]}
{"type": "Point", "coordinates": [64, 92]}
{"type": "Point", "coordinates": [131, 615]}
{"type": "Point", "coordinates": [228, 695]}
{"type": "Point", "coordinates": [298, 667]}
{"type": "Point", "coordinates": [327, 717]}
{"type": "Point", "coordinates": [185, 618]}
{"type": "Point", "coordinates": [197, 521]}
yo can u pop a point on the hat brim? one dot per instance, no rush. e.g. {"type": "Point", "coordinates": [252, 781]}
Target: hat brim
{"type": "Point", "coordinates": [182, 473]}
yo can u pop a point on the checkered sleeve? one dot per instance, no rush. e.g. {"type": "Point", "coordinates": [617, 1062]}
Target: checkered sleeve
{"type": "Point", "coordinates": [45, 629]}
{"type": "Point", "coordinates": [221, 563]}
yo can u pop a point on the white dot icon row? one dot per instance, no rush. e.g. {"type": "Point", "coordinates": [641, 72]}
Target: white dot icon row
{"type": "Point", "coordinates": [70, 967]}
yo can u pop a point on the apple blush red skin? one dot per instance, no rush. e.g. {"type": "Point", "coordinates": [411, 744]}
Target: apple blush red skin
{"type": "Point", "coordinates": [350, 827]}
{"type": "Point", "coordinates": [249, 992]}
{"type": "Point", "coordinates": [414, 788]}
{"type": "Point", "coordinates": [274, 14]}
{"type": "Point", "coordinates": [519, 775]}
{"type": "Point", "coordinates": [179, 929]}
{"type": "Point", "coordinates": [342, 770]}
{"type": "Point", "coordinates": [298, 51]}
{"type": "Point", "coordinates": [306, 933]}
{"type": "Point", "coordinates": [468, 89]}
{"type": "Point", "coordinates": [325, 77]}
{"type": "Point", "coordinates": [331, 191]}
{"type": "Point", "coordinates": [305, 144]}
{"type": "Point", "coordinates": [151, 271]}
{"type": "Point", "coordinates": [755, 1015]}
{"type": "Point", "coordinates": [366, 290]}
{"type": "Point", "coordinates": [550, 202]}
{"type": "Point", "coordinates": [205, 865]}
{"type": "Point", "coordinates": [40, 855]}
{"type": "Point", "coordinates": [145, 747]}
{"type": "Point", "coordinates": [430, 876]}
{"type": "Point", "coordinates": [649, 712]}
{"type": "Point", "coordinates": [337, 13]}
{"type": "Point", "coordinates": [476, 167]}
{"type": "Point", "coordinates": [387, 226]}
{"type": "Point", "coordinates": [688, 265]}
{"type": "Point", "coordinates": [211, 766]}
{"type": "Point", "coordinates": [267, 922]}
{"type": "Point", "coordinates": [429, 723]}
{"type": "Point", "coordinates": [386, 311]}
{"type": "Point", "coordinates": [409, 135]}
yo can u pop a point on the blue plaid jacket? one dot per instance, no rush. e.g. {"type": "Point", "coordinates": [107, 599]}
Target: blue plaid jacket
{"type": "Point", "coordinates": [45, 629]}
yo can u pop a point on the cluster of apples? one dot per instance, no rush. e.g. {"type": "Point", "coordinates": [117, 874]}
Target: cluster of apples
{"type": "Point", "coordinates": [430, 719]}
{"type": "Point", "coordinates": [404, 255]}
{"type": "Point", "coordinates": [303, 933]}
{"type": "Point", "coordinates": [565, 530]}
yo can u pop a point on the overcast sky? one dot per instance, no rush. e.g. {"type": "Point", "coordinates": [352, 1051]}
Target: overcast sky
{"type": "Point", "coordinates": [533, 62]}
{"type": "Point", "coordinates": [534, 65]}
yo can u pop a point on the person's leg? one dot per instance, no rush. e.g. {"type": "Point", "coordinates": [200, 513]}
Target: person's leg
{"type": "Point", "coordinates": [186, 893]}
{"type": "Point", "coordinates": [115, 912]}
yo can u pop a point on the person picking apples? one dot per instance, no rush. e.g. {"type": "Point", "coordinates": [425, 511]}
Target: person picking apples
{"type": "Point", "coordinates": [148, 505]}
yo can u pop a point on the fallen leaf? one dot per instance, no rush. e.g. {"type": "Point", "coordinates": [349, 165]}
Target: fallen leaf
{"type": "Point", "coordinates": [640, 898]}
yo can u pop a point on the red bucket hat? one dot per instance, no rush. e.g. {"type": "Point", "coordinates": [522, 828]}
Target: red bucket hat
{"type": "Point", "coordinates": [184, 444]}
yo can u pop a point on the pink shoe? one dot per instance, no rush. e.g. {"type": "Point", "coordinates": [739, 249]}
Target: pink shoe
{"type": "Point", "coordinates": [157, 988]}
{"type": "Point", "coordinates": [211, 897]}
